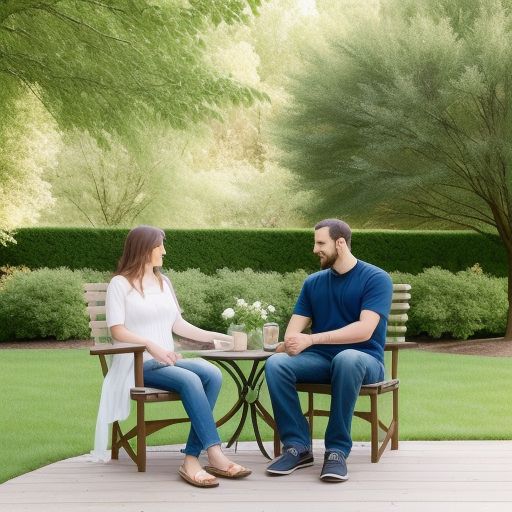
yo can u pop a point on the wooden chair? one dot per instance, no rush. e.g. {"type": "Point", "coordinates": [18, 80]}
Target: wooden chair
{"type": "Point", "coordinates": [95, 298]}
{"type": "Point", "coordinates": [395, 341]}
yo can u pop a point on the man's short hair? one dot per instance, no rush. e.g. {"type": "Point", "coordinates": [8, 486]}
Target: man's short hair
{"type": "Point", "coordinates": [337, 229]}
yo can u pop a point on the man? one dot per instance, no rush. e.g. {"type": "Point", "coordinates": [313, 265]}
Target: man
{"type": "Point", "coordinates": [346, 305]}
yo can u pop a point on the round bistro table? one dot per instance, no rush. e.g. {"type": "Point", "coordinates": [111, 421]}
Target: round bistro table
{"type": "Point", "coordinates": [248, 386]}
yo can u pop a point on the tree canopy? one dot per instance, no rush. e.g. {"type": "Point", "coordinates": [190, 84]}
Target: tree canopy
{"type": "Point", "coordinates": [411, 107]}
{"type": "Point", "coordinates": [109, 66]}
{"type": "Point", "coordinates": [106, 68]}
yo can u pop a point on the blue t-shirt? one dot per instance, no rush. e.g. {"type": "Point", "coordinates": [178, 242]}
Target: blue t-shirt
{"type": "Point", "coordinates": [334, 300]}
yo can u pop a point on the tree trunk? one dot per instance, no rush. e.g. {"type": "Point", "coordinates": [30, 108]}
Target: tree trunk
{"type": "Point", "coordinates": [508, 330]}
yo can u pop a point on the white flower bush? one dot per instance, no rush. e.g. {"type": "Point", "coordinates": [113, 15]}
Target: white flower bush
{"type": "Point", "coordinates": [252, 316]}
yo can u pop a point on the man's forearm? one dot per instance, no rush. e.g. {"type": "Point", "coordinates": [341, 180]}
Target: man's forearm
{"type": "Point", "coordinates": [355, 332]}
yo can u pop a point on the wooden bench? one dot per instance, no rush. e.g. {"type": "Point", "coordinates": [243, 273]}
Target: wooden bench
{"type": "Point", "coordinates": [95, 298]}
{"type": "Point", "coordinates": [395, 341]}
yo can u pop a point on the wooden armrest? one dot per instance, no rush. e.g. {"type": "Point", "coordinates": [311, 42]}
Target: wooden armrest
{"type": "Point", "coordinates": [122, 348]}
{"type": "Point", "coordinates": [116, 348]}
{"type": "Point", "coordinates": [399, 345]}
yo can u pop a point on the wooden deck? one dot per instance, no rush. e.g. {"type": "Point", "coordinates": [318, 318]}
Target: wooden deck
{"type": "Point", "coordinates": [454, 476]}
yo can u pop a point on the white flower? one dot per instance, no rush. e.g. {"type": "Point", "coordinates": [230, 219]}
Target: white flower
{"type": "Point", "coordinates": [271, 308]}
{"type": "Point", "coordinates": [241, 302]}
{"type": "Point", "coordinates": [228, 313]}
{"type": "Point", "coordinates": [256, 305]}
{"type": "Point", "coordinates": [264, 315]}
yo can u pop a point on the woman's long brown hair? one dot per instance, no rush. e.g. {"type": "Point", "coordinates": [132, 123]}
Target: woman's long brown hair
{"type": "Point", "coordinates": [138, 246]}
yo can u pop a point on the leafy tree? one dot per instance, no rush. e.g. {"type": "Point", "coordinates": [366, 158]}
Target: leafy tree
{"type": "Point", "coordinates": [105, 66]}
{"type": "Point", "coordinates": [410, 110]}
{"type": "Point", "coordinates": [28, 147]}
{"type": "Point", "coordinates": [109, 67]}
{"type": "Point", "coordinates": [216, 173]}
{"type": "Point", "coordinates": [102, 187]}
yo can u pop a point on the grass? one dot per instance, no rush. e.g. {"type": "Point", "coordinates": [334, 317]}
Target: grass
{"type": "Point", "coordinates": [50, 400]}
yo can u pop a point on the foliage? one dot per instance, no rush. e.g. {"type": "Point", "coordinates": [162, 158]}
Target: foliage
{"type": "Point", "coordinates": [459, 305]}
{"type": "Point", "coordinates": [41, 304]}
{"type": "Point", "coordinates": [214, 173]}
{"type": "Point", "coordinates": [415, 99]}
{"type": "Point", "coordinates": [192, 288]}
{"type": "Point", "coordinates": [262, 250]}
{"type": "Point", "coordinates": [107, 187]}
{"type": "Point", "coordinates": [251, 316]}
{"type": "Point", "coordinates": [28, 148]}
{"type": "Point", "coordinates": [204, 298]}
{"type": "Point", "coordinates": [108, 67]}
{"type": "Point", "coordinates": [6, 271]}
{"type": "Point", "coordinates": [49, 302]}
{"type": "Point", "coordinates": [107, 70]}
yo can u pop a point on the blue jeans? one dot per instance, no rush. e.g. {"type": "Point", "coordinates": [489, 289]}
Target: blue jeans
{"type": "Point", "coordinates": [198, 382]}
{"type": "Point", "coordinates": [346, 370]}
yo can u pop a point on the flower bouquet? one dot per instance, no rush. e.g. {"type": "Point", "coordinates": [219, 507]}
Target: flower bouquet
{"type": "Point", "coordinates": [250, 319]}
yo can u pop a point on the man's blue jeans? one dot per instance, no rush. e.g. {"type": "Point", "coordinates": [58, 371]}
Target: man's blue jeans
{"type": "Point", "coordinates": [198, 382]}
{"type": "Point", "coordinates": [346, 370]}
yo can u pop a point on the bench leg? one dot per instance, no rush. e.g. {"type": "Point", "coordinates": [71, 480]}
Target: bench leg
{"type": "Point", "coordinates": [394, 439]}
{"type": "Point", "coordinates": [311, 415]}
{"type": "Point", "coordinates": [115, 440]}
{"type": "Point", "coordinates": [374, 422]}
{"type": "Point", "coordinates": [141, 437]}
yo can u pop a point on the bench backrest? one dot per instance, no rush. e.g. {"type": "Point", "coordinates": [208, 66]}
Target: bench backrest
{"type": "Point", "coordinates": [95, 294]}
{"type": "Point", "coordinates": [398, 316]}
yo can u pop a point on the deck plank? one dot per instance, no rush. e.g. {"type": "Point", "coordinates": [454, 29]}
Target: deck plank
{"type": "Point", "coordinates": [451, 476]}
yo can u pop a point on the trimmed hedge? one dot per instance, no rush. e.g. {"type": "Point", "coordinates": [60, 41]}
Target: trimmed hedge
{"type": "Point", "coordinates": [49, 303]}
{"type": "Point", "coordinates": [260, 249]}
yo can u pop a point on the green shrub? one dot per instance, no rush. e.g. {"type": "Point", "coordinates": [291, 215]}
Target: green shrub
{"type": "Point", "coordinates": [49, 302]}
{"type": "Point", "coordinates": [203, 298]}
{"type": "Point", "coordinates": [192, 287]}
{"type": "Point", "coordinates": [7, 271]}
{"type": "Point", "coordinates": [41, 304]}
{"type": "Point", "coordinates": [459, 305]}
{"type": "Point", "coordinates": [280, 290]}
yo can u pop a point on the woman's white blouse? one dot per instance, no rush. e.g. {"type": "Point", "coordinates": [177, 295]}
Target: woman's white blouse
{"type": "Point", "coordinates": [150, 316]}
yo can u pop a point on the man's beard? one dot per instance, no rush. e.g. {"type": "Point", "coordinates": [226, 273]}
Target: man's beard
{"type": "Point", "coordinates": [328, 261]}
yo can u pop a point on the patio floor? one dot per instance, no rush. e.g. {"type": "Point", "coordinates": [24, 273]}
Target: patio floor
{"type": "Point", "coordinates": [469, 476]}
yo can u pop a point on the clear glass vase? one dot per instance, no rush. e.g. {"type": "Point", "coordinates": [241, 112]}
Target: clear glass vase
{"type": "Point", "coordinates": [236, 328]}
{"type": "Point", "coordinates": [255, 339]}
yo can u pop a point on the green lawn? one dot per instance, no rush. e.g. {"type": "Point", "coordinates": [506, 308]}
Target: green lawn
{"type": "Point", "coordinates": [50, 397]}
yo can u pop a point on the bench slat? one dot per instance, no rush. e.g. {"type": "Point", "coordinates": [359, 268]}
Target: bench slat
{"type": "Point", "coordinates": [95, 296]}
{"type": "Point", "coordinates": [400, 306]}
{"type": "Point", "coordinates": [396, 328]}
{"type": "Point", "coordinates": [401, 296]}
{"type": "Point", "coordinates": [95, 287]}
{"type": "Point", "coordinates": [401, 287]}
{"type": "Point", "coordinates": [100, 332]}
{"type": "Point", "coordinates": [395, 338]}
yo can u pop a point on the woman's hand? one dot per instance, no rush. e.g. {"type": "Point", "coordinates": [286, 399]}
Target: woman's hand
{"type": "Point", "coordinates": [163, 356]}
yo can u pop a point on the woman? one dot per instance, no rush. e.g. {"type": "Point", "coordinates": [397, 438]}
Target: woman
{"type": "Point", "coordinates": [141, 308]}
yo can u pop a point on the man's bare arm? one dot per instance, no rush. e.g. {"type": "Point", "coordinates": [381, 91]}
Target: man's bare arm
{"type": "Point", "coordinates": [296, 325]}
{"type": "Point", "coordinates": [356, 332]}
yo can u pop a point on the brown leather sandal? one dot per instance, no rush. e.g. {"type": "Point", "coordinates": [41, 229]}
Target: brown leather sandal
{"type": "Point", "coordinates": [227, 473]}
{"type": "Point", "coordinates": [196, 479]}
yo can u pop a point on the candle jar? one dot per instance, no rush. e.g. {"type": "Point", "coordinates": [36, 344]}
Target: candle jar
{"type": "Point", "coordinates": [270, 336]}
